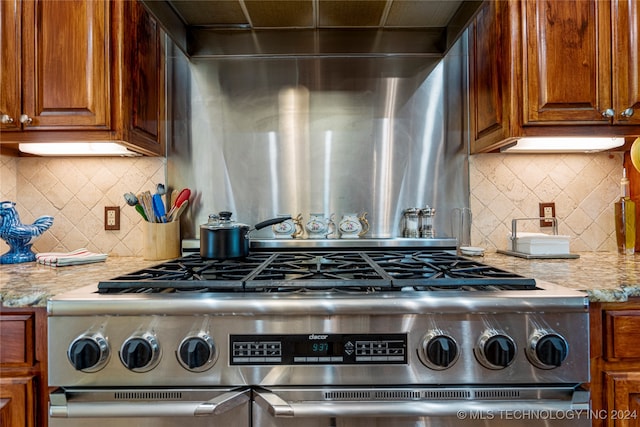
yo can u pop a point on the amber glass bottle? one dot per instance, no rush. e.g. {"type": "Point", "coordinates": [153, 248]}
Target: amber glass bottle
{"type": "Point", "coordinates": [625, 214]}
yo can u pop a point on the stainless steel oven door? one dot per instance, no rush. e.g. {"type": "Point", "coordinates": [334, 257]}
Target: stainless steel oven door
{"type": "Point", "coordinates": [421, 407]}
{"type": "Point", "coordinates": [220, 407]}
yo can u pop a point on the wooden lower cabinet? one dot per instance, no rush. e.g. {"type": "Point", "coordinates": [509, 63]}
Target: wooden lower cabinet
{"type": "Point", "coordinates": [615, 364]}
{"type": "Point", "coordinates": [19, 396]}
{"type": "Point", "coordinates": [623, 395]}
{"type": "Point", "coordinates": [23, 367]}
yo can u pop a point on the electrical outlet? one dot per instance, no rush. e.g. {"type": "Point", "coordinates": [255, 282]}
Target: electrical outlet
{"type": "Point", "coordinates": [112, 217]}
{"type": "Point", "coordinates": [547, 210]}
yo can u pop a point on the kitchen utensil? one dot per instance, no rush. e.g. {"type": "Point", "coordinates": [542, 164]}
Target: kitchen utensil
{"type": "Point", "coordinates": [158, 208]}
{"type": "Point", "coordinates": [140, 210]}
{"type": "Point", "coordinates": [146, 201]}
{"type": "Point", "coordinates": [175, 215]}
{"type": "Point", "coordinates": [182, 197]}
{"type": "Point", "coordinates": [160, 189]}
{"type": "Point", "coordinates": [223, 238]}
{"type": "Point", "coordinates": [132, 200]}
{"type": "Point", "coordinates": [172, 199]}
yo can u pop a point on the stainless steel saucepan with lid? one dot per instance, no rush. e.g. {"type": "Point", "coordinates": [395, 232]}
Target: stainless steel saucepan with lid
{"type": "Point", "coordinates": [223, 238]}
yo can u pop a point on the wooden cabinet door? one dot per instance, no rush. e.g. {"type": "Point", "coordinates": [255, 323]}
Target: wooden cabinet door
{"type": "Point", "coordinates": [626, 60]}
{"type": "Point", "coordinates": [623, 399]}
{"type": "Point", "coordinates": [65, 64]}
{"type": "Point", "coordinates": [489, 120]}
{"type": "Point", "coordinates": [18, 395]}
{"type": "Point", "coordinates": [10, 88]}
{"type": "Point", "coordinates": [144, 70]}
{"type": "Point", "coordinates": [567, 63]}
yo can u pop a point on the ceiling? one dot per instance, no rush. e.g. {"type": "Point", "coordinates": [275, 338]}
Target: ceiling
{"type": "Point", "coordinates": [287, 14]}
{"type": "Point", "coordinates": [323, 27]}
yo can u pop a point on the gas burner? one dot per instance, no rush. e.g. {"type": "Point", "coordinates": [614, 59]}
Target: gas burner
{"type": "Point", "coordinates": [319, 291]}
{"type": "Point", "coordinates": [362, 272]}
{"type": "Point", "coordinates": [187, 274]}
{"type": "Point", "coordinates": [445, 271]}
{"type": "Point", "coordinates": [318, 271]}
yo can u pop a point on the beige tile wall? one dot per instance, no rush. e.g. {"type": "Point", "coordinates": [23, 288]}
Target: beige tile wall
{"type": "Point", "coordinates": [8, 175]}
{"type": "Point", "coordinates": [503, 186]}
{"type": "Point", "coordinates": [583, 187]}
{"type": "Point", "coordinates": [75, 191]}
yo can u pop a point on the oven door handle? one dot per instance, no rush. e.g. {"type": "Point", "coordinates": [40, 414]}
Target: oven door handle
{"type": "Point", "coordinates": [278, 407]}
{"type": "Point", "coordinates": [223, 403]}
{"type": "Point", "coordinates": [64, 406]}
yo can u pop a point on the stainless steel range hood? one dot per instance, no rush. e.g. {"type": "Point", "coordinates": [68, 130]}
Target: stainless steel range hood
{"type": "Point", "coordinates": [418, 29]}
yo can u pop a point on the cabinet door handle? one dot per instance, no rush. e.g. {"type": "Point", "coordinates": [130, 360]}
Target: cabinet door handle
{"type": "Point", "coordinates": [5, 119]}
{"type": "Point", "coordinates": [25, 120]}
{"type": "Point", "coordinates": [608, 113]}
{"type": "Point", "coordinates": [627, 113]}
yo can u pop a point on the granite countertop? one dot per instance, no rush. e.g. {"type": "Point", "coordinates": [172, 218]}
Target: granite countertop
{"type": "Point", "coordinates": [30, 283]}
{"type": "Point", "coordinates": [604, 276]}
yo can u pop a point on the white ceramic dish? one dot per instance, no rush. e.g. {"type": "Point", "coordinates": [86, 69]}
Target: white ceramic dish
{"type": "Point", "coordinates": [472, 251]}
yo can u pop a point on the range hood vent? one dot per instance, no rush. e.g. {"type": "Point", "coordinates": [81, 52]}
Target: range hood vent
{"type": "Point", "coordinates": [315, 28]}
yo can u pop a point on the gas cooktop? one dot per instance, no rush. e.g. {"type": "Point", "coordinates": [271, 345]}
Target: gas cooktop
{"type": "Point", "coordinates": [344, 271]}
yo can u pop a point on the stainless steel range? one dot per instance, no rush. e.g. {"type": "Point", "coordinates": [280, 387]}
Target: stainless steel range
{"type": "Point", "coordinates": [386, 337]}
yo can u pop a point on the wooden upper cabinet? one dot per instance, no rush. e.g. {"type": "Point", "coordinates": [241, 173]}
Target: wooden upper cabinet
{"type": "Point", "coordinates": [554, 68]}
{"type": "Point", "coordinates": [142, 76]}
{"type": "Point", "coordinates": [10, 76]}
{"type": "Point", "coordinates": [567, 62]}
{"type": "Point", "coordinates": [54, 58]}
{"type": "Point", "coordinates": [65, 61]}
{"type": "Point", "coordinates": [81, 70]}
{"type": "Point", "coordinates": [625, 32]}
{"type": "Point", "coordinates": [493, 74]}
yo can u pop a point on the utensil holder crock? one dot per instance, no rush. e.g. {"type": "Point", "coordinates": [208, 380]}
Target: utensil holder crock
{"type": "Point", "coordinates": [161, 240]}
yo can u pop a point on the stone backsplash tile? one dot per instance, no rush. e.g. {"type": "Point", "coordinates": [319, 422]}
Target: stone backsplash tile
{"type": "Point", "coordinates": [503, 186]}
{"type": "Point", "coordinates": [583, 187]}
{"type": "Point", "coordinates": [75, 191]}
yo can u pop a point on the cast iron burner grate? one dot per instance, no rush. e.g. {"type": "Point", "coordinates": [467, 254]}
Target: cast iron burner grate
{"type": "Point", "coordinates": [347, 271]}
{"type": "Point", "coordinates": [444, 270]}
{"type": "Point", "coordinates": [187, 274]}
{"type": "Point", "coordinates": [351, 272]}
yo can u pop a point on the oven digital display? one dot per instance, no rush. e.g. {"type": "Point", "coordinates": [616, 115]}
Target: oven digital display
{"type": "Point", "coordinates": [310, 349]}
{"type": "Point", "coordinates": [313, 349]}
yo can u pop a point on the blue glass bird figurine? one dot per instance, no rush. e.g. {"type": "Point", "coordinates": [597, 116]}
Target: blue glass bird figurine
{"type": "Point", "coordinates": [19, 236]}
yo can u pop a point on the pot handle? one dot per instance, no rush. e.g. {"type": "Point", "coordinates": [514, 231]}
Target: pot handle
{"type": "Point", "coordinates": [271, 221]}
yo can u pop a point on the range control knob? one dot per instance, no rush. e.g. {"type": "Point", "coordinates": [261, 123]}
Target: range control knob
{"type": "Point", "coordinates": [495, 350]}
{"type": "Point", "coordinates": [547, 350]}
{"type": "Point", "coordinates": [197, 353]}
{"type": "Point", "coordinates": [439, 350]}
{"type": "Point", "coordinates": [89, 353]}
{"type": "Point", "coordinates": [140, 353]}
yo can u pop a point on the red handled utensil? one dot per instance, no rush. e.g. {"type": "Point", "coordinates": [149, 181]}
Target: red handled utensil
{"type": "Point", "coordinates": [182, 197]}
